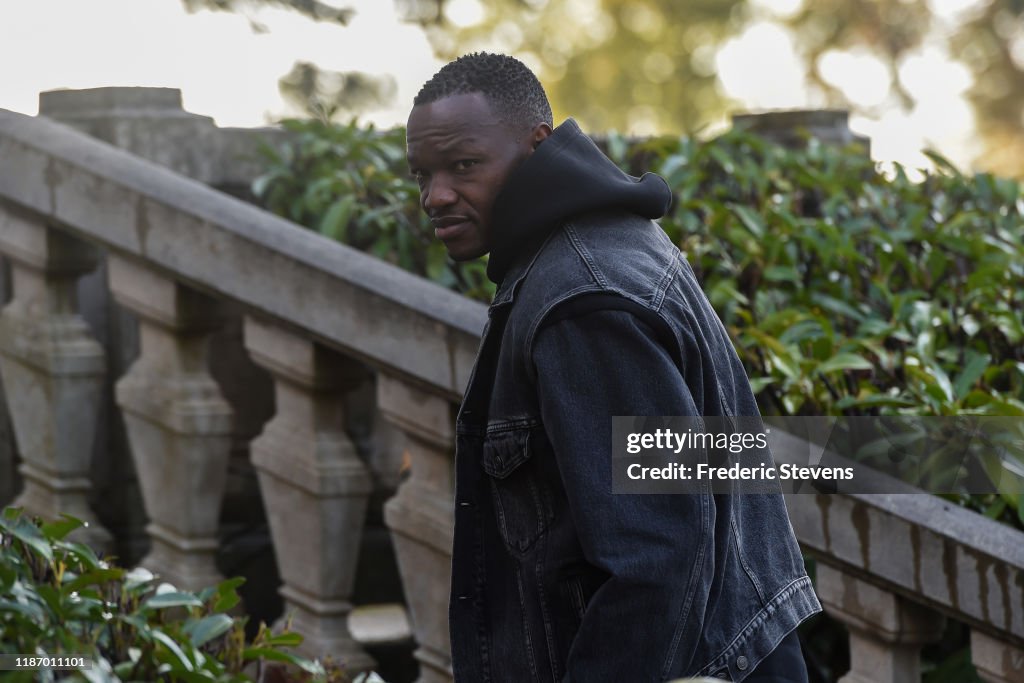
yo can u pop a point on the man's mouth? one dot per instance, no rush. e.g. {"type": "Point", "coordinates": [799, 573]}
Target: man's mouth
{"type": "Point", "coordinates": [450, 227]}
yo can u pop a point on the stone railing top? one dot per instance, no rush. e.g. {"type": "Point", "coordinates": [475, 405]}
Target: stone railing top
{"type": "Point", "coordinates": [929, 549]}
{"type": "Point", "coordinates": [107, 101]}
{"type": "Point", "coordinates": [399, 323]}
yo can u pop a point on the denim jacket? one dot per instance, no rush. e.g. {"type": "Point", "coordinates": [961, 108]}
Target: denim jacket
{"type": "Point", "coordinates": [554, 577]}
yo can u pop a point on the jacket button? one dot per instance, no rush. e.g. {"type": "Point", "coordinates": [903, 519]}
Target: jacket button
{"type": "Point", "coordinates": [742, 663]}
{"type": "Point", "coordinates": [464, 597]}
{"type": "Point", "coordinates": [464, 504]}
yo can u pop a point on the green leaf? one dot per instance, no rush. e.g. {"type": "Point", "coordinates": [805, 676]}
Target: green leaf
{"type": "Point", "coordinates": [82, 553]}
{"type": "Point", "coordinates": [62, 527]}
{"type": "Point", "coordinates": [206, 629]}
{"type": "Point", "coordinates": [228, 586]}
{"type": "Point", "coordinates": [92, 578]}
{"type": "Point", "coordinates": [753, 222]}
{"type": "Point", "coordinates": [874, 401]}
{"type": "Point", "coordinates": [226, 601]}
{"type": "Point", "coordinates": [941, 381]}
{"type": "Point", "coordinates": [334, 224]}
{"type": "Point", "coordinates": [995, 509]}
{"type": "Point", "coordinates": [287, 639]}
{"type": "Point", "coordinates": [845, 361]}
{"type": "Point", "coordinates": [8, 575]}
{"type": "Point", "coordinates": [30, 609]}
{"type": "Point", "coordinates": [801, 331]}
{"type": "Point", "coordinates": [942, 163]}
{"type": "Point", "coordinates": [172, 599]}
{"type": "Point", "coordinates": [254, 653]}
{"type": "Point", "coordinates": [29, 534]}
{"type": "Point", "coordinates": [836, 306]}
{"type": "Point", "coordinates": [975, 367]}
{"type": "Point", "coordinates": [782, 274]}
{"type": "Point", "coordinates": [174, 649]}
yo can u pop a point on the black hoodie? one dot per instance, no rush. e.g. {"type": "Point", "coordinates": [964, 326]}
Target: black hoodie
{"type": "Point", "coordinates": [567, 175]}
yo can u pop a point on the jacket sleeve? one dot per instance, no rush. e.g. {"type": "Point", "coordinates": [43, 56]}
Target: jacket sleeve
{"type": "Point", "coordinates": [643, 622]}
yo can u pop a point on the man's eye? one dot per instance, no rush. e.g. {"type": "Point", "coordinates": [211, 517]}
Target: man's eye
{"type": "Point", "coordinates": [463, 164]}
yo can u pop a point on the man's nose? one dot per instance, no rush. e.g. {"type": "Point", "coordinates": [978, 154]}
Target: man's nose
{"type": "Point", "coordinates": [438, 194]}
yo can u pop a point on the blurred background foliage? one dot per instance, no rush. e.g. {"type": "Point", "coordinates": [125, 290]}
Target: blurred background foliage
{"type": "Point", "coordinates": [652, 66]}
{"type": "Point", "coordinates": [656, 59]}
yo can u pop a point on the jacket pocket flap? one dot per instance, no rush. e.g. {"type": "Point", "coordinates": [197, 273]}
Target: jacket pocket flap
{"type": "Point", "coordinates": [505, 451]}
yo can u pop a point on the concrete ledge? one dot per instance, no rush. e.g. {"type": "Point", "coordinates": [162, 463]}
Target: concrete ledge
{"type": "Point", "coordinates": [117, 100]}
{"type": "Point", "coordinates": [346, 299]}
{"type": "Point", "coordinates": [932, 551]}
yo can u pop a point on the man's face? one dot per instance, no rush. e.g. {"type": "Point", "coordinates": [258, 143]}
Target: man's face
{"type": "Point", "coordinates": [461, 153]}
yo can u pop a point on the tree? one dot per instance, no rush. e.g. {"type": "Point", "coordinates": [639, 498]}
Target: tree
{"type": "Point", "coordinates": [319, 92]}
{"type": "Point", "coordinates": [595, 56]}
{"type": "Point", "coordinates": [659, 55]}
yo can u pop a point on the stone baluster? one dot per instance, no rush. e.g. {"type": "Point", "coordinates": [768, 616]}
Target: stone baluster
{"type": "Point", "coordinates": [53, 371]}
{"type": "Point", "coordinates": [996, 660]}
{"type": "Point", "coordinates": [421, 516]}
{"type": "Point", "coordinates": [178, 423]}
{"type": "Point", "coordinates": [886, 631]}
{"type": "Point", "coordinates": [315, 488]}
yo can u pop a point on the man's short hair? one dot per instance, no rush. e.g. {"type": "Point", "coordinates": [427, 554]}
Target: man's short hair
{"type": "Point", "coordinates": [512, 90]}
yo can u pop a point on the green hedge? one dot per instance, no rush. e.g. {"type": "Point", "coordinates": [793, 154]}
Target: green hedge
{"type": "Point", "coordinates": [58, 598]}
{"type": "Point", "coordinates": [846, 292]}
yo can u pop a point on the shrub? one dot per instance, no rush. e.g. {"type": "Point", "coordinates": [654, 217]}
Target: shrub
{"type": "Point", "coordinates": [850, 293]}
{"type": "Point", "coordinates": [58, 598]}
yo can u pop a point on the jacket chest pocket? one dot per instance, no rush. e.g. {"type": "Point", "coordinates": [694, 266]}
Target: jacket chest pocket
{"type": "Point", "coordinates": [520, 495]}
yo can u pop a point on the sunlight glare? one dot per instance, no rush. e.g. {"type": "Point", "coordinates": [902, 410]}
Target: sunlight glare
{"type": "Point", "coordinates": [761, 68]}
{"type": "Point", "coordinates": [861, 76]}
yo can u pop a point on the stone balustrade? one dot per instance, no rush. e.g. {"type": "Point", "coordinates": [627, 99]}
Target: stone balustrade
{"type": "Point", "coordinates": [186, 260]}
{"type": "Point", "coordinates": [316, 315]}
{"type": "Point", "coordinates": [893, 566]}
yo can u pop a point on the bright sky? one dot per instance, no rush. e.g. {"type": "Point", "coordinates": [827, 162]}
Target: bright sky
{"type": "Point", "coordinates": [222, 67]}
{"type": "Point", "coordinates": [227, 71]}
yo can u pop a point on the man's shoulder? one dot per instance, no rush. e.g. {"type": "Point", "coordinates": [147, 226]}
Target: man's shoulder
{"type": "Point", "coordinates": [601, 252]}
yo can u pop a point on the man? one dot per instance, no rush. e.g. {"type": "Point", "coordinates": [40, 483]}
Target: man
{"type": "Point", "coordinates": [554, 577]}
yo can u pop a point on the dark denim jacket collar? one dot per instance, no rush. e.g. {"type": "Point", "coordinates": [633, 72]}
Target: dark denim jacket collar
{"type": "Point", "coordinates": [519, 269]}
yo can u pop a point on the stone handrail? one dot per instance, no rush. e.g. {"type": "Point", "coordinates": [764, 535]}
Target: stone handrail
{"type": "Point", "coordinates": [231, 249]}
{"type": "Point", "coordinates": [177, 251]}
{"type": "Point", "coordinates": [892, 565]}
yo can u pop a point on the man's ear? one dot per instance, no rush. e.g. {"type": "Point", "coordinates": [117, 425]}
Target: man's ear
{"type": "Point", "coordinates": [540, 133]}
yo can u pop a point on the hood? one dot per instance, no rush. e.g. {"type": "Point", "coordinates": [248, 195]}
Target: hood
{"type": "Point", "coordinates": [567, 175]}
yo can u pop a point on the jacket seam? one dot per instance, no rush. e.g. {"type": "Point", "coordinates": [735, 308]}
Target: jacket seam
{"type": "Point", "coordinates": [511, 425]}
{"type": "Point", "coordinates": [539, 319]}
{"type": "Point", "coordinates": [691, 591]}
{"type": "Point", "coordinates": [667, 277]}
{"type": "Point", "coordinates": [577, 244]}
{"type": "Point", "coordinates": [743, 561]}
